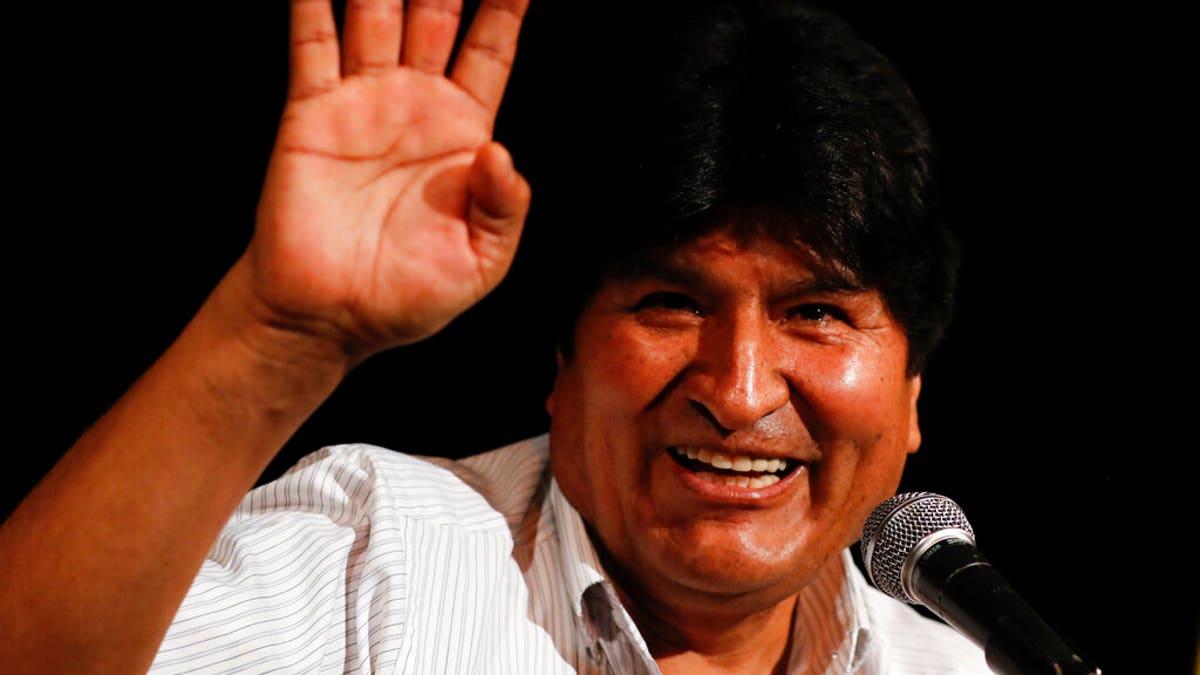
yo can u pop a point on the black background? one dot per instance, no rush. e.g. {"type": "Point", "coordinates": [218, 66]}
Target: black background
{"type": "Point", "coordinates": [1056, 413]}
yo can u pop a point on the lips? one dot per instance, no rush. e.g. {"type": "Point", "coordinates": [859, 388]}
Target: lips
{"type": "Point", "coordinates": [732, 470]}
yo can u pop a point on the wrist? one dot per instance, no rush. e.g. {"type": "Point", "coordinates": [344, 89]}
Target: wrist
{"type": "Point", "coordinates": [289, 341]}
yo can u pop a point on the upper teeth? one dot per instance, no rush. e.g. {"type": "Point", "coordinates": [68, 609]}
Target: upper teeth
{"type": "Point", "coordinates": [733, 463]}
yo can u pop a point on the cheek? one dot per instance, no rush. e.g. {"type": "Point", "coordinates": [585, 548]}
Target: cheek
{"type": "Point", "coordinates": [597, 407]}
{"type": "Point", "coordinates": [851, 373]}
{"type": "Point", "coordinates": [851, 395]}
{"type": "Point", "coordinates": [859, 408]}
{"type": "Point", "coordinates": [630, 370]}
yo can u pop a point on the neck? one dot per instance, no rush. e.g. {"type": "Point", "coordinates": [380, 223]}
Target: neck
{"type": "Point", "coordinates": [687, 633]}
{"type": "Point", "coordinates": [751, 643]}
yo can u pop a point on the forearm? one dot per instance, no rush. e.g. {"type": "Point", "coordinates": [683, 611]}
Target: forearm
{"type": "Point", "coordinates": [97, 559]}
{"type": "Point", "coordinates": [385, 213]}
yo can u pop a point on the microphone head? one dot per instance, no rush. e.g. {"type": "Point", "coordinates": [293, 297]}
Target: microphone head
{"type": "Point", "coordinates": [900, 530]}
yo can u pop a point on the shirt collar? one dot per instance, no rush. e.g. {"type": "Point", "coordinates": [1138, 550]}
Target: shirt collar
{"type": "Point", "coordinates": [832, 631]}
{"type": "Point", "coordinates": [832, 622]}
{"type": "Point", "coordinates": [596, 608]}
{"type": "Point", "coordinates": [581, 566]}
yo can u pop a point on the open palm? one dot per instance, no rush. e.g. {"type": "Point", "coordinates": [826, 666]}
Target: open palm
{"type": "Point", "coordinates": [387, 210]}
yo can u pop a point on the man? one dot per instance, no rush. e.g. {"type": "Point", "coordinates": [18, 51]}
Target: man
{"type": "Point", "coordinates": [738, 371]}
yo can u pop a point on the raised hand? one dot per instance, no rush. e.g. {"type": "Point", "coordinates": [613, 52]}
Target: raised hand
{"type": "Point", "coordinates": [387, 209]}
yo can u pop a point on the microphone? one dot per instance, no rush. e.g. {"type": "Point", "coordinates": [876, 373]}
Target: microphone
{"type": "Point", "coordinates": [918, 547]}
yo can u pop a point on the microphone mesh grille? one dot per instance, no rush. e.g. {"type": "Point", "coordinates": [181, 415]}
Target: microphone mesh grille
{"type": "Point", "coordinates": [897, 526]}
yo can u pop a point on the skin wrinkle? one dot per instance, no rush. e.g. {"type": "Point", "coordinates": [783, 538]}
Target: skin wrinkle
{"type": "Point", "coordinates": [318, 38]}
{"type": "Point", "coordinates": [453, 11]}
{"type": "Point", "coordinates": [501, 6]}
{"type": "Point", "coordinates": [301, 150]}
{"type": "Point", "coordinates": [476, 98]}
{"type": "Point", "coordinates": [489, 51]}
{"type": "Point", "coordinates": [712, 355]}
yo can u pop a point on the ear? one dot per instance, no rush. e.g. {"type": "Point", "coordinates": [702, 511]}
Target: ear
{"type": "Point", "coordinates": [914, 427]}
{"type": "Point", "coordinates": [558, 363]}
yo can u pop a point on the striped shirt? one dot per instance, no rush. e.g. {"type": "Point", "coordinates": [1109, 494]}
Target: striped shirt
{"type": "Point", "coordinates": [361, 559]}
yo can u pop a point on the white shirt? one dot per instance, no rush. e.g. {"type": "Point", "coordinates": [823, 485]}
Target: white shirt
{"type": "Point", "coordinates": [362, 559]}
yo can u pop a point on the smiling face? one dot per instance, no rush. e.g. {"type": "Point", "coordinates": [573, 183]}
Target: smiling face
{"type": "Point", "coordinates": [692, 381]}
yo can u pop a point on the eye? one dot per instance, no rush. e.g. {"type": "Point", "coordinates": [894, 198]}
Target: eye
{"type": "Point", "coordinates": [817, 312]}
{"type": "Point", "coordinates": [670, 302]}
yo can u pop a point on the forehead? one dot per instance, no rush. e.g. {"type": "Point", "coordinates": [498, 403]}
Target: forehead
{"type": "Point", "coordinates": [738, 251]}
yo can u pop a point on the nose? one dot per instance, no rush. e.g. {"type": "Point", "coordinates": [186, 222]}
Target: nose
{"type": "Point", "coordinates": [736, 379]}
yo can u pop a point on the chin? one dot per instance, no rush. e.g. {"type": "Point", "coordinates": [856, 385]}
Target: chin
{"type": "Point", "coordinates": [722, 560]}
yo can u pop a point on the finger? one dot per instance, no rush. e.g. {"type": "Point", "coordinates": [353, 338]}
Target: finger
{"type": "Point", "coordinates": [485, 59]}
{"type": "Point", "coordinates": [372, 37]}
{"type": "Point", "coordinates": [430, 33]}
{"type": "Point", "coordinates": [314, 63]}
{"type": "Point", "coordinates": [500, 199]}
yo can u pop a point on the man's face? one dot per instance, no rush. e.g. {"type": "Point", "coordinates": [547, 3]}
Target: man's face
{"type": "Point", "coordinates": [746, 349]}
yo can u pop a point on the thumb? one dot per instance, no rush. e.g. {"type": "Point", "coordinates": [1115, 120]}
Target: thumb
{"type": "Point", "coordinates": [499, 202]}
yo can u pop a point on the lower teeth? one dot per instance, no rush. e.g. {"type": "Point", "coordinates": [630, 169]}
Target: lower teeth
{"type": "Point", "coordinates": [739, 481]}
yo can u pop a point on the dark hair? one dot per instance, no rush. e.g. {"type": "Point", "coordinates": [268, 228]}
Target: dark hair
{"type": "Point", "coordinates": [685, 114]}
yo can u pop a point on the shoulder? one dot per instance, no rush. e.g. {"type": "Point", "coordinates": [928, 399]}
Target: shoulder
{"type": "Point", "coordinates": [356, 481]}
{"type": "Point", "coordinates": [357, 557]}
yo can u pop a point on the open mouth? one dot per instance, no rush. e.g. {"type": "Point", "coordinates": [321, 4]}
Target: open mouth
{"type": "Point", "coordinates": [733, 470]}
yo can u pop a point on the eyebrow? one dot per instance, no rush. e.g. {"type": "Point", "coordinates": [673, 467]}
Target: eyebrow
{"type": "Point", "coordinates": [826, 278]}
